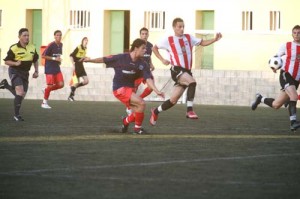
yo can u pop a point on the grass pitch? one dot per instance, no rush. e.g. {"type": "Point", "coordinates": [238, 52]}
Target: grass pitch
{"type": "Point", "coordinates": [75, 150]}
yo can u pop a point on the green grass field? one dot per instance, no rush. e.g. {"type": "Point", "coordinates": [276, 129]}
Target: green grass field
{"type": "Point", "coordinates": [75, 150]}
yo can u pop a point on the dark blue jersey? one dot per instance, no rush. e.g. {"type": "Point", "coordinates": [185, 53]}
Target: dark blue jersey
{"type": "Point", "coordinates": [148, 53]}
{"type": "Point", "coordinates": [126, 71]}
{"type": "Point", "coordinates": [53, 50]}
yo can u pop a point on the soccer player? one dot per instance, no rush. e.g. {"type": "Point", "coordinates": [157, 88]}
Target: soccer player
{"type": "Point", "coordinates": [179, 48]}
{"type": "Point", "coordinates": [20, 57]}
{"type": "Point", "coordinates": [54, 77]}
{"type": "Point", "coordinates": [289, 79]}
{"type": "Point", "coordinates": [128, 67]}
{"type": "Point", "coordinates": [144, 34]}
{"type": "Point", "coordinates": [77, 57]}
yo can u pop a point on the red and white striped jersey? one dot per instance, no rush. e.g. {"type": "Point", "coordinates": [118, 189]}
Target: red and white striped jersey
{"type": "Point", "coordinates": [180, 49]}
{"type": "Point", "coordinates": [291, 60]}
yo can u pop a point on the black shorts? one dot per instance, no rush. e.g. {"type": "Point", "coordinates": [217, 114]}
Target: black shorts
{"type": "Point", "coordinates": [176, 71]}
{"type": "Point", "coordinates": [18, 78]}
{"type": "Point", "coordinates": [79, 69]}
{"type": "Point", "coordinates": [286, 80]}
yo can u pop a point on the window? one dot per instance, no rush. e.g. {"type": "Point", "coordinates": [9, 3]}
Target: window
{"type": "Point", "coordinates": [0, 18]}
{"type": "Point", "coordinates": [155, 20]}
{"type": "Point", "coordinates": [274, 20]}
{"type": "Point", "coordinates": [79, 19]}
{"type": "Point", "coordinates": [247, 18]}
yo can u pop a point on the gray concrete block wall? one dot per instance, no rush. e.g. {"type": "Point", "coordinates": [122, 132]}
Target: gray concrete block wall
{"type": "Point", "coordinates": [213, 87]}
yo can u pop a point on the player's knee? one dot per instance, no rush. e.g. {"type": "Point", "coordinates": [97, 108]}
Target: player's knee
{"type": "Point", "coordinates": [85, 82]}
{"type": "Point", "coordinates": [173, 101]}
{"type": "Point", "coordinates": [61, 85]}
{"type": "Point", "coordinates": [276, 105]}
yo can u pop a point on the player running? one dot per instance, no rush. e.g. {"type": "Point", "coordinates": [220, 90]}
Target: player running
{"type": "Point", "coordinates": [77, 57]}
{"type": "Point", "coordinates": [144, 34]}
{"type": "Point", "coordinates": [179, 48]}
{"type": "Point", "coordinates": [128, 67]}
{"type": "Point", "coordinates": [289, 79]}
{"type": "Point", "coordinates": [54, 77]}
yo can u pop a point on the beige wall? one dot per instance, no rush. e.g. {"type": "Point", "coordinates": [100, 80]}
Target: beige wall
{"type": "Point", "coordinates": [236, 51]}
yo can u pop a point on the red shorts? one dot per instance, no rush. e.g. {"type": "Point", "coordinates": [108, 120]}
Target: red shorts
{"type": "Point", "coordinates": [54, 79]}
{"type": "Point", "coordinates": [123, 94]}
{"type": "Point", "coordinates": [138, 81]}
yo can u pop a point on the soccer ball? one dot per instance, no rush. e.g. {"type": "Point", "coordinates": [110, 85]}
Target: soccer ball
{"type": "Point", "coordinates": [275, 62]}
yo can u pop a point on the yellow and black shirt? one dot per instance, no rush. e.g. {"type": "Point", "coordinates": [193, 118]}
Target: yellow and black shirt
{"type": "Point", "coordinates": [27, 56]}
{"type": "Point", "coordinates": [78, 53]}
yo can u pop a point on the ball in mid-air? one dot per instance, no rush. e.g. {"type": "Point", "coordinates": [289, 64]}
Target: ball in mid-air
{"type": "Point", "coordinates": [275, 62]}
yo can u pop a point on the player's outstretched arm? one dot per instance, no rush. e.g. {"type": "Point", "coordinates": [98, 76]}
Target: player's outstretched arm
{"type": "Point", "coordinates": [96, 60]}
{"type": "Point", "coordinates": [211, 41]}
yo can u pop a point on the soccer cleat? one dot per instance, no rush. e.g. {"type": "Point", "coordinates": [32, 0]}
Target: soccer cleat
{"type": "Point", "coordinates": [139, 131]}
{"type": "Point", "coordinates": [71, 98]}
{"type": "Point", "coordinates": [191, 115]}
{"type": "Point", "coordinates": [257, 101]}
{"type": "Point", "coordinates": [3, 84]}
{"type": "Point", "coordinates": [295, 125]}
{"type": "Point", "coordinates": [124, 128]}
{"type": "Point", "coordinates": [45, 106]}
{"type": "Point", "coordinates": [153, 117]}
{"type": "Point", "coordinates": [18, 118]}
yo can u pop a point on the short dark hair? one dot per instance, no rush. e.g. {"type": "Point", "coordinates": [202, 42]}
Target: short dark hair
{"type": "Point", "coordinates": [57, 31]}
{"type": "Point", "coordinates": [137, 43]}
{"type": "Point", "coordinates": [144, 29]}
{"type": "Point", "coordinates": [296, 27]}
{"type": "Point", "coordinates": [23, 30]}
{"type": "Point", "coordinates": [176, 20]}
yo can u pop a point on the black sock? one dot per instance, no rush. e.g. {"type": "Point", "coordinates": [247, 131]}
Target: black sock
{"type": "Point", "coordinates": [269, 101]}
{"type": "Point", "coordinates": [73, 88]}
{"type": "Point", "coordinates": [191, 91]}
{"type": "Point", "coordinates": [17, 104]}
{"type": "Point", "coordinates": [165, 106]}
{"type": "Point", "coordinates": [80, 84]}
{"type": "Point", "coordinates": [292, 110]}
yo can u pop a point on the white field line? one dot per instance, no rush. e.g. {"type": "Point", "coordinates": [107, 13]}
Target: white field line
{"type": "Point", "coordinates": [149, 136]}
{"type": "Point", "coordinates": [143, 164]}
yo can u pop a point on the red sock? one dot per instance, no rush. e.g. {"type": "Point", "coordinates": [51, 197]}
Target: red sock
{"type": "Point", "coordinates": [47, 92]}
{"type": "Point", "coordinates": [139, 117]}
{"type": "Point", "coordinates": [130, 118]}
{"type": "Point", "coordinates": [146, 92]}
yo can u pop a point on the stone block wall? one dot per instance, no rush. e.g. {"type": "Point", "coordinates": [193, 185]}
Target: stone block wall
{"type": "Point", "coordinates": [228, 87]}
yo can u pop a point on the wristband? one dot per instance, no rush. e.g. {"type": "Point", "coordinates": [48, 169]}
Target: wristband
{"type": "Point", "coordinates": [53, 58]}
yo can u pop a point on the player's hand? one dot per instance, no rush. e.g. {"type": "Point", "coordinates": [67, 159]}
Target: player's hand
{"type": "Point", "coordinates": [152, 68]}
{"type": "Point", "coordinates": [161, 94]}
{"type": "Point", "coordinates": [274, 70]}
{"type": "Point", "coordinates": [86, 59]}
{"type": "Point", "coordinates": [218, 36]}
{"type": "Point", "coordinates": [35, 74]}
{"type": "Point", "coordinates": [18, 63]}
{"type": "Point", "coordinates": [165, 62]}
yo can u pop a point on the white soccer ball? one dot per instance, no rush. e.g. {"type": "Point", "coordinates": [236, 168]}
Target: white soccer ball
{"type": "Point", "coordinates": [275, 62]}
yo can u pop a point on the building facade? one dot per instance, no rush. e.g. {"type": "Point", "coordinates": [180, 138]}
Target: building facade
{"type": "Point", "coordinates": [252, 30]}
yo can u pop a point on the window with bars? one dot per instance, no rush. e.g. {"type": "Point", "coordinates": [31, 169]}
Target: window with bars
{"type": "Point", "coordinates": [275, 20]}
{"type": "Point", "coordinates": [155, 20]}
{"type": "Point", "coordinates": [247, 20]}
{"type": "Point", "coordinates": [79, 19]}
{"type": "Point", "coordinates": [0, 18]}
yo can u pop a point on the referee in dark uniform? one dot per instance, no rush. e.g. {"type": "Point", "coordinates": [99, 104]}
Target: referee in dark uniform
{"type": "Point", "coordinates": [20, 57]}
